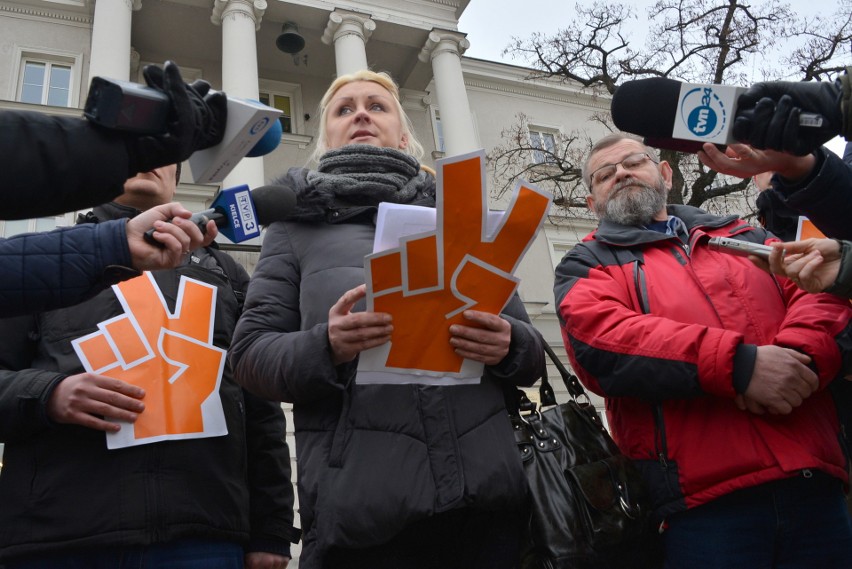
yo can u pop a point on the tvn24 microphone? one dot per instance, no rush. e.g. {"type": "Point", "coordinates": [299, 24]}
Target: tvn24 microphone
{"type": "Point", "coordinates": [681, 116]}
{"type": "Point", "coordinates": [239, 212]}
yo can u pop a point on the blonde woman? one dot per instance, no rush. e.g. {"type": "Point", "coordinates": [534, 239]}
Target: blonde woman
{"type": "Point", "coordinates": [402, 476]}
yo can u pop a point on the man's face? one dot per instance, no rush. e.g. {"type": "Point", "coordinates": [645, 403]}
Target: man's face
{"type": "Point", "coordinates": [149, 189]}
{"type": "Point", "coordinates": [635, 192]}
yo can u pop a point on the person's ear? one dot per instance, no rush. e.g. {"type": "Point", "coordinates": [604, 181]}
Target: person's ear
{"type": "Point", "coordinates": [666, 173]}
{"type": "Point", "coordinates": [590, 202]}
{"type": "Point", "coordinates": [403, 144]}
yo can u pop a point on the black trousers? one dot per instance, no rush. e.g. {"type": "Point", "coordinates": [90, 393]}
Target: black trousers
{"type": "Point", "coordinates": [458, 539]}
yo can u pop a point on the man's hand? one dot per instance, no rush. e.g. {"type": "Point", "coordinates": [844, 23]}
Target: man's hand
{"type": "Point", "coordinates": [262, 560]}
{"type": "Point", "coordinates": [768, 115]}
{"type": "Point", "coordinates": [84, 398]}
{"type": "Point", "coordinates": [177, 238]}
{"type": "Point", "coordinates": [813, 264]}
{"type": "Point", "coordinates": [780, 382]}
{"type": "Point", "coordinates": [488, 343]}
{"type": "Point", "coordinates": [351, 333]}
{"type": "Point", "coordinates": [197, 118]}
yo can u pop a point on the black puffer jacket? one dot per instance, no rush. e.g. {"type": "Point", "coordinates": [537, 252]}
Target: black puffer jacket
{"type": "Point", "coordinates": [61, 488]}
{"type": "Point", "coordinates": [372, 459]}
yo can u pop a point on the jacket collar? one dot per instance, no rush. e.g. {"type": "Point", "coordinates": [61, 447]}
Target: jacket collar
{"type": "Point", "coordinates": [107, 212]}
{"type": "Point", "coordinates": [627, 235]}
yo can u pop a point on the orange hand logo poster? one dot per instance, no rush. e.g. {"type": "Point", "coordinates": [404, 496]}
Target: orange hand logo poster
{"type": "Point", "coordinates": [432, 277]}
{"type": "Point", "coordinates": [169, 355]}
{"type": "Point", "coordinates": [807, 230]}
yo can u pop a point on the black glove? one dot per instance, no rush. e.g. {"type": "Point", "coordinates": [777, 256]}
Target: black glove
{"type": "Point", "coordinates": [768, 115]}
{"type": "Point", "coordinates": [197, 118]}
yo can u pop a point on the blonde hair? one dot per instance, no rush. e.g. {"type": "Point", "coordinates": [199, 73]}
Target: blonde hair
{"type": "Point", "coordinates": [413, 148]}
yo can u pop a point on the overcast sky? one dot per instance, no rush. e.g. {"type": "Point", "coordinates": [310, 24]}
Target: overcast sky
{"type": "Point", "coordinates": [491, 24]}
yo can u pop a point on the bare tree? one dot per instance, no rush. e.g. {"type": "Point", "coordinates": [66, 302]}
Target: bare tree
{"type": "Point", "coordinates": [698, 41]}
{"type": "Point", "coordinates": [827, 44]}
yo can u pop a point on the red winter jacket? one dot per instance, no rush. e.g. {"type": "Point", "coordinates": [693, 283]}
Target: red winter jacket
{"type": "Point", "coordinates": [661, 329]}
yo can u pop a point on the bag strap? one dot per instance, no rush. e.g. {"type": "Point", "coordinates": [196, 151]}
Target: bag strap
{"type": "Point", "coordinates": [575, 389]}
{"type": "Point", "coordinates": [545, 390]}
{"type": "Point", "coordinates": [572, 384]}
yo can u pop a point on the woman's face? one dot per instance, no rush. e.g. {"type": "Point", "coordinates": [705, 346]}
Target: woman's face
{"type": "Point", "coordinates": [363, 112]}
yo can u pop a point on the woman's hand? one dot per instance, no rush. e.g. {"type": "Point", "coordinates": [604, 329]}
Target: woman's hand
{"type": "Point", "coordinates": [351, 333]}
{"type": "Point", "coordinates": [488, 343]}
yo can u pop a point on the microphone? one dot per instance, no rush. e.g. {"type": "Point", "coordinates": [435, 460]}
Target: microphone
{"type": "Point", "coordinates": [681, 116]}
{"type": "Point", "coordinates": [239, 212]}
{"type": "Point", "coordinates": [252, 128]}
{"type": "Point", "coordinates": [268, 142]}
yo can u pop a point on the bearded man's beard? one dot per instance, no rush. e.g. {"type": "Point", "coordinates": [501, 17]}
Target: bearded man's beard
{"type": "Point", "coordinates": [627, 205]}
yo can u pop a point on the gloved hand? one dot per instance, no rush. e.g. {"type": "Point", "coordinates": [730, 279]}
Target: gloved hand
{"type": "Point", "coordinates": [768, 115]}
{"type": "Point", "coordinates": [196, 121]}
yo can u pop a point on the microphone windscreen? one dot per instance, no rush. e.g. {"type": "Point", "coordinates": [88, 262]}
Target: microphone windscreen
{"type": "Point", "coordinates": [273, 203]}
{"type": "Point", "coordinates": [646, 107]}
{"type": "Point", "coordinates": [268, 142]}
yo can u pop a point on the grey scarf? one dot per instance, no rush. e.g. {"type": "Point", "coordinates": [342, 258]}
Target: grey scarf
{"type": "Point", "coordinates": [364, 175]}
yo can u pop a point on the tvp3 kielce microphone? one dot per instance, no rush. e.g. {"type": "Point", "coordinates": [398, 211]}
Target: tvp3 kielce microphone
{"type": "Point", "coordinates": [239, 212]}
{"type": "Point", "coordinates": [681, 116]}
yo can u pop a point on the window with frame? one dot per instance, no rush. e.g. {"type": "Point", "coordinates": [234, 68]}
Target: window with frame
{"type": "Point", "coordinates": [558, 249]}
{"type": "Point", "coordinates": [283, 103]}
{"type": "Point", "coordinates": [9, 228]}
{"type": "Point", "coordinates": [45, 82]}
{"type": "Point", "coordinates": [438, 128]}
{"type": "Point", "coordinates": [544, 143]}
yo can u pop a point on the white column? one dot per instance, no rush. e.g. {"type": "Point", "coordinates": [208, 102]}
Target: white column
{"type": "Point", "coordinates": [444, 48]}
{"type": "Point", "coordinates": [110, 55]}
{"type": "Point", "coordinates": [349, 31]}
{"type": "Point", "coordinates": [240, 20]}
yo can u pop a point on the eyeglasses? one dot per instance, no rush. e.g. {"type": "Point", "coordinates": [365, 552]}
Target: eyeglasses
{"type": "Point", "coordinates": [631, 162]}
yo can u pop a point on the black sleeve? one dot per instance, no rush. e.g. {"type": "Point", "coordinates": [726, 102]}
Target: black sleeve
{"type": "Point", "coordinates": [23, 391]}
{"type": "Point", "coordinates": [45, 271]}
{"type": "Point", "coordinates": [269, 473]}
{"type": "Point", "coordinates": [825, 196]}
{"type": "Point", "coordinates": [53, 164]}
{"type": "Point", "coordinates": [525, 362]}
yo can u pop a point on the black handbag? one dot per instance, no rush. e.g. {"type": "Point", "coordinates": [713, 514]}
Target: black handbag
{"type": "Point", "coordinates": [588, 504]}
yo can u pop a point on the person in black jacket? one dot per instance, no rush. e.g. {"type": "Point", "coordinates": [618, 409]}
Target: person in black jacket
{"type": "Point", "coordinates": [818, 185]}
{"type": "Point", "coordinates": [395, 476]}
{"type": "Point", "coordinates": [209, 485]}
{"type": "Point", "coordinates": [51, 165]}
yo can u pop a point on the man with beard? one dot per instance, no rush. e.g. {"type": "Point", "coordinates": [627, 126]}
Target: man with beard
{"type": "Point", "coordinates": [714, 372]}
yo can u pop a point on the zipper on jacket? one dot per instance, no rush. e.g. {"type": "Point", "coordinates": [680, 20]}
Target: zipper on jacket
{"type": "Point", "coordinates": [660, 444]}
{"type": "Point", "coordinates": [844, 445]}
{"type": "Point", "coordinates": [641, 287]}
